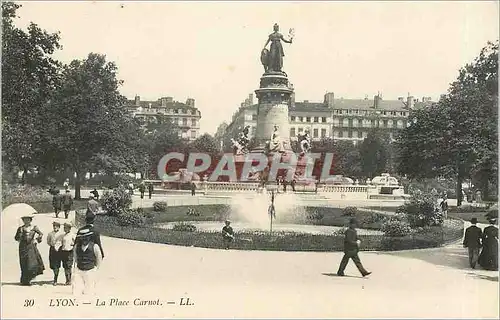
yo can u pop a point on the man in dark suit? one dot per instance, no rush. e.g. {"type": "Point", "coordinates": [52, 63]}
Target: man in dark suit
{"type": "Point", "coordinates": [472, 241]}
{"type": "Point", "coordinates": [351, 249]}
{"type": "Point", "coordinates": [96, 237]}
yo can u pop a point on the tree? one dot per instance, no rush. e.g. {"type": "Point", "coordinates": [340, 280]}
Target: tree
{"type": "Point", "coordinates": [29, 78]}
{"type": "Point", "coordinates": [458, 136]}
{"type": "Point", "coordinates": [205, 144]}
{"type": "Point", "coordinates": [89, 118]}
{"type": "Point", "coordinates": [374, 154]}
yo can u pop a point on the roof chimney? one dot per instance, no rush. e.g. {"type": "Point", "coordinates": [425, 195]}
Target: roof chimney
{"type": "Point", "coordinates": [329, 99]}
{"type": "Point", "coordinates": [137, 100]}
{"type": "Point", "coordinates": [410, 102]}
{"type": "Point", "coordinates": [376, 101]}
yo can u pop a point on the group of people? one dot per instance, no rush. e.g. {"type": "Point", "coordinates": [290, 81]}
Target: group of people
{"type": "Point", "coordinates": [62, 202]}
{"type": "Point", "coordinates": [79, 254]}
{"type": "Point", "coordinates": [142, 190]}
{"type": "Point", "coordinates": [482, 245]}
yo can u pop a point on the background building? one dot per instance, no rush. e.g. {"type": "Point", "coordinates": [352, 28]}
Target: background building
{"type": "Point", "coordinates": [339, 119]}
{"type": "Point", "coordinates": [185, 115]}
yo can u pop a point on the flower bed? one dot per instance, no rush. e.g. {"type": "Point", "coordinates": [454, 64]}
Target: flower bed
{"type": "Point", "coordinates": [283, 241]}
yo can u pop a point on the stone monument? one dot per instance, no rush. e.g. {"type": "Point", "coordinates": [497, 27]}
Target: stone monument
{"type": "Point", "coordinates": [273, 132]}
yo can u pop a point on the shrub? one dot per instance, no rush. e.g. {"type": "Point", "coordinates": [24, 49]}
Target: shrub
{"type": "Point", "coordinates": [193, 212]}
{"type": "Point", "coordinates": [24, 194]}
{"type": "Point", "coordinates": [467, 208]}
{"type": "Point", "coordinates": [422, 210]}
{"type": "Point", "coordinates": [132, 218]}
{"type": "Point", "coordinates": [111, 181]}
{"type": "Point", "coordinates": [116, 202]}
{"type": "Point", "coordinates": [160, 206]}
{"type": "Point", "coordinates": [396, 228]}
{"type": "Point", "coordinates": [315, 215]}
{"type": "Point", "coordinates": [372, 217]}
{"type": "Point", "coordinates": [349, 211]}
{"type": "Point", "coordinates": [184, 227]}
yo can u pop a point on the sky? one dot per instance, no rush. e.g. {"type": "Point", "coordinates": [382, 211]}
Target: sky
{"type": "Point", "coordinates": [210, 51]}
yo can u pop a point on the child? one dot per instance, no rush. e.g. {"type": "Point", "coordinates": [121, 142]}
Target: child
{"type": "Point", "coordinates": [66, 252]}
{"type": "Point", "coordinates": [53, 240]}
{"type": "Point", "coordinates": [87, 259]}
{"type": "Point", "coordinates": [227, 234]}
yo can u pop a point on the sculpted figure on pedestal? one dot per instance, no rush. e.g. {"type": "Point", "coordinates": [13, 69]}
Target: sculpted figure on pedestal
{"type": "Point", "coordinates": [272, 59]}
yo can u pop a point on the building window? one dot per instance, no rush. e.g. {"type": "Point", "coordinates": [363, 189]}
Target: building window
{"type": "Point", "coordinates": [193, 122]}
{"type": "Point", "coordinates": [292, 132]}
{"type": "Point", "coordinates": [254, 117]}
{"type": "Point", "coordinates": [365, 134]}
{"type": "Point", "coordinates": [360, 134]}
{"type": "Point", "coordinates": [315, 133]}
{"type": "Point", "coordinates": [345, 122]}
{"type": "Point", "coordinates": [184, 121]}
{"type": "Point", "coordinates": [316, 119]}
{"type": "Point", "coordinates": [308, 119]}
{"type": "Point", "coordinates": [335, 122]}
{"type": "Point", "coordinates": [349, 134]}
{"type": "Point", "coordinates": [193, 134]}
{"type": "Point", "coordinates": [323, 133]}
{"type": "Point", "coordinates": [176, 111]}
{"type": "Point", "coordinates": [180, 110]}
{"type": "Point", "coordinates": [292, 118]}
{"type": "Point", "coordinates": [323, 119]}
{"type": "Point", "coordinates": [300, 129]}
{"type": "Point", "coordinates": [341, 134]}
{"type": "Point", "coordinates": [301, 119]}
{"type": "Point", "coordinates": [373, 123]}
{"type": "Point", "coordinates": [350, 123]}
{"type": "Point", "coordinates": [400, 123]}
{"type": "Point", "coordinates": [394, 124]}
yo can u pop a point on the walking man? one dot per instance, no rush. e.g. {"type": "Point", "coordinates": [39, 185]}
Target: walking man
{"type": "Point", "coordinates": [96, 237]}
{"type": "Point", "coordinates": [92, 207]}
{"type": "Point", "coordinates": [66, 252]}
{"type": "Point", "coordinates": [193, 189]}
{"type": "Point", "coordinates": [87, 260]}
{"type": "Point", "coordinates": [67, 202]}
{"type": "Point", "coordinates": [57, 202]}
{"type": "Point", "coordinates": [472, 241]}
{"type": "Point", "coordinates": [142, 189]}
{"type": "Point", "coordinates": [54, 243]}
{"type": "Point", "coordinates": [150, 190]}
{"type": "Point", "coordinates": [351, 249]}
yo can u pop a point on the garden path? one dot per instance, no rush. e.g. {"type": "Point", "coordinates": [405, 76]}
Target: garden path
{"type": "Point", "coordinates": [225, 283]}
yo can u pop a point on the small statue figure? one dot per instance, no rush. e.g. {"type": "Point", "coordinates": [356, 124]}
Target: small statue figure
{"type": "Point", "coordinates": [275, 144]}
{"type": "Point", "coordinates": [241, 145]}
{"type": "Point", "coordinates": [304, 142]}
{"type": "Point", "coordinates": [272, 59]}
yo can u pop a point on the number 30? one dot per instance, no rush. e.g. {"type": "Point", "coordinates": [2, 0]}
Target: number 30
{"type": "Point", "coordinates": [29, 303]}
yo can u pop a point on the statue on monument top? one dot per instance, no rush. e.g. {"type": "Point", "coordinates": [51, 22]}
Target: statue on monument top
{"type": "Point", "coordinates": [272, 59]}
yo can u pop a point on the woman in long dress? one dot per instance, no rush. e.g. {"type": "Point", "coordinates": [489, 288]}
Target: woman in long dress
{"type": "Point", "coordinates": [276, 52]}
{"type": "Point", "coordinates": [488, 259]}
{"type": "Point", "coordinates": [30, 259]}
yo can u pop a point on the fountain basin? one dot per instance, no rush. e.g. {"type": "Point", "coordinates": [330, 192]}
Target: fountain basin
{"type": "Point", "coordinates": [210, 226]}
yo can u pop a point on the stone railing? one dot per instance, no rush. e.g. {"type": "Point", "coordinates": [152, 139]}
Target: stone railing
{"type": "Point", "coordinates": [229, 186]}
{"type": "Point", "coordinates": [344, 188]}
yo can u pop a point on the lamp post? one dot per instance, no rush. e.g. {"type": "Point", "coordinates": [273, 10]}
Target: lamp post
{"type": "Point", "coordinates": [272, 213]}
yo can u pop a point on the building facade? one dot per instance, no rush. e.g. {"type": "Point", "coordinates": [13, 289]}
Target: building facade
{"type": "Point", "coordinates": [338, 119]}
{"type": "Point", "coordinates": [185, 115]}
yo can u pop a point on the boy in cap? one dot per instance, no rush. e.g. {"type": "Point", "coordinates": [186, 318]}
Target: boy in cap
{"type": "Point", "coordinates": [57, 202]}
{"type": "Point", "coordinates": [227, 234]}
{"type": "Point", "coordinates": [54, 243]}
{"type": "Point", "coordinates": [66, 252]}
{"type": "Point", "coordinates": [351, 249]}
{"type": "Point", "coordinates": [87, 259]}
{"type": "Point", "coordinates": [472, 241]}
{"type": "Point", "coordinates": [96, 237]}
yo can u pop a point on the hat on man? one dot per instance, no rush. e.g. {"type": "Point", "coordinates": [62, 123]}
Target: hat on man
{"type": "Point", "coordinates": [67, 190]}
{"type": "Point", "coordinates": [67, 224]}
{"type": "Point", "coordinates": [28, 216]}
{"type": "Point", "coordinates": [473, 220]}
{"type": "Point", "coordinates": [55, 223]}
{"type": "Point", "coordinates": [84, 233]}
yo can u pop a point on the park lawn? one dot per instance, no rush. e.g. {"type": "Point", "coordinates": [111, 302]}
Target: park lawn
{"type": "Point", "coordinates": [466, 216]}
{"type": "Point", "coordinates": [46, 206]}
{"type": "Point", "coordinates": [325, 216]}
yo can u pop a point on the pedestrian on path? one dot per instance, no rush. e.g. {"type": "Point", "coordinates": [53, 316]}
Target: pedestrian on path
{"type": "Point", "coordinates": [95, 193]}
{"type": "Point", "coordinates": [351, 249]}
{"type": "Point", "coordinates": [472, 241]}
{"type": "Point", "coordinates": [193, 189]}
{"type": "Point", "coordinates": [92, 207]}
{"type": "Point", "coordinates": [30, 260]}
{"type": "Point", "coordinates": [67, 239]}
{"type": "Point", "coordinates": [227, 234]}
{"type": "Point", "coordinates": [67, 202]}
{"type": "Point", "coordinates": [488, 259]}
{"type": "Point", "coordinates": [54, 243]}
{"type": "Point", "coordinates": [142, 189]}
{"type": "Point", "coordinates": [87, 260]}
{"type": "Point", "coordinates": [150, 190]}
{"type": "Point", "coordinates": [57, 202]}
{"type": "Point", "coordinates": [96, 237]}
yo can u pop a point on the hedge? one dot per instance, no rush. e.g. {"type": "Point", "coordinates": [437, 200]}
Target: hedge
{"type": "Point", "coordinates": [429, 237]}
